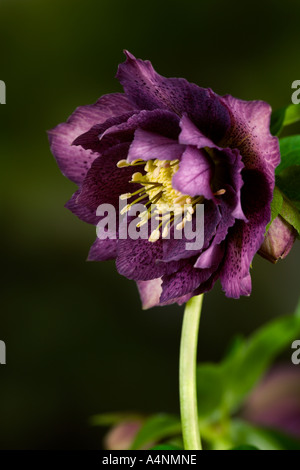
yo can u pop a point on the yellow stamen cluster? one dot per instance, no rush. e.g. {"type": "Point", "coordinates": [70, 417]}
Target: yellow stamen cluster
{"type": "Point", "coordinates": [156, 186]}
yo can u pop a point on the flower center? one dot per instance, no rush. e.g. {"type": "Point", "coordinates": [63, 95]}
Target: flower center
{"type": "Point", "coordinates": [165, 203]}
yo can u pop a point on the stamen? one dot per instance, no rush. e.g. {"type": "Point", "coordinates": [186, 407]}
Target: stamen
{"type": "Point", "coordinates": [125, 196]}
{"type": "Point", "coordinates": [154, 235]}
{"type": "Point", "coordinates": [220, 192]}
{"type": "Point", "coordinates": [122, 163]}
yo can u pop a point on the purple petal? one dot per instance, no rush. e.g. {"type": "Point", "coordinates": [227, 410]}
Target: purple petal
{"type": "Point", "coordinates": [175, 249]}
{"type": "Point", "coordinates": [82, 212]}
{"type": "Point", "coordinates": [250, 133]}
{"type": "Point", "coordinates": [194, 174]}
{"type": "Point", "coordinates": [150, 146]}
{"type": "Point", "coordinates": [104, 182]}
{"type": "Point", "coordinates": [159, 121]}
{"type": "Point", "coordinates": [244, 239]}
{"type": "Point", "coordinates": [211, 257]}
{"type": "Point", "coordinates": [146, 89]}
{"type": "Point", "coordinates": [150, 292]}
{"type": "Point", "coordinates": [182, 282]}
{"type": "Point", "coordinates": [90, 140]}
{"type": "Point", "coordinates": [191, 135]}
{"type": "Point", "coordinates": [74, 162]}
{"type": "Point", "coordinates": [103, 250]}
{"type": "Point", "coordinates": [141, 260]}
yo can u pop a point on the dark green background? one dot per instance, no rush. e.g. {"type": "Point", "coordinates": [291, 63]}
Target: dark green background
{"type": "Point", "coordinates": [77, 340]}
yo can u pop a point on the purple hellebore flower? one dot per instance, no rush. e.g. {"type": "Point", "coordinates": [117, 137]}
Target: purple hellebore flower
{"type": "Point", "coordinates": [195, 146]}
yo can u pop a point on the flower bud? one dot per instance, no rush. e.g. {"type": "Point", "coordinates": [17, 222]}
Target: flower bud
{"type": "Point", "coordinates": [278, 240]}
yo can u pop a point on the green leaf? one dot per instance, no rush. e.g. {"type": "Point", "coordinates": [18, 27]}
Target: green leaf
{"type": "Point", "coordinates": [111, 419]}
{"type": "Point", "coordinates": [156, 428]}
{"type": "Point", "coordinates": [284, 117]}
{"type": "Point", "coordinates": [291, 214]}
{"type": "Point", "coordinates": [289, 151]}
{"type": "Point", "coordinates": [292, 114]}
{"type": "Point", "coordinates": [276, 205]}
{"type": "Point", "coordinates": [243, 369]}
{"type": "Point", "coordinates": [261, 438]}
{"type": "Point", "coordinates": [289, 182]}
{"type": "Point", "coordinates": [209, 389]}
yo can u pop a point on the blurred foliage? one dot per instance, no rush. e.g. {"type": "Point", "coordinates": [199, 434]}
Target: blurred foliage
{"type": "Point", "coordinates": [222, 389]}
{"type": "Point", "coordinates": [77, 340]}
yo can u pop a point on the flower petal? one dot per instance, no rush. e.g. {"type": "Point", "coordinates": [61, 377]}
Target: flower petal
{"type": "Point", "coordinates": [210, 257]}
{"type": "Point", "coordinates": [175, 249]}
{"type": "Point", "coordinates": [151, 146]}
{"type": "Point", "coordinates": [245, 239]}
{"type": "Point", "coordinates": [191, 135]}
{"type": "Point", "coordinates": [83, 213]}
{"type": "Point", "coordinates": [74, 162]}
{"type": "Point", "coordinates": [250, 133]}
{"type": "Point", "coordinates": [103, 250]}
{"type": "Point", "coordinates": [104, 182]}
{"type": "Point", "coordinates": [141, 260]}
{"type": "Point", "coordinates": [184, 281]}
{"type": "Point", "coordinates": [90, 140]}
{"type": "Point", "coordinates": [195, 174]}
{"type": "Point", "coordinates": [146, 89]}
{"type": "Point", "coordinates": [150, 292]}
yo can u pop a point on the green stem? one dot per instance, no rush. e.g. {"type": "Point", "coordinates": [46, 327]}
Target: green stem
{"type": "Point", "coordinates": [187, 374]}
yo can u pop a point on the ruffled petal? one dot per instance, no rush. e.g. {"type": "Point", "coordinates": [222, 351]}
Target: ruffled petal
{"type": "Point", "coordinates": [73, 161]}
{"type": "Point", "coordinates": [191, 135]}
{"type": "Point", "coordinates": [150, 292]}
{"type": "Point", "coordinates": [103, 250]}
{"type": "Point", "coordinates": [90, 140]}
{"type": "Point", "coordinates": [183, 282]}
{"type": "Point", "coordinates": [211, 257]}
{"type": "Point", "coordinates": [83, 213]}
{"type": "Point", "coordinates": [175, 249]}
{"type": "Point", "coordinates": [146, 89]}
{"type": "Point", "coordinates": [195, 174]}
{"type": "Point", "coordinates": [150, 146]}
{"type": "Point", "coordinates": [104, 182]}
{"type": "Point", "coordinates": [245, 239]}
{"type": "Point", "coordinates": [250, 133]}
{"type": "Point", "coordinates": [141, 260]}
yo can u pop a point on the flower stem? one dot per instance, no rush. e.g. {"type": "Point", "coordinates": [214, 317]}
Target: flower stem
{"type": "Point", "coordinates": [187, 374]}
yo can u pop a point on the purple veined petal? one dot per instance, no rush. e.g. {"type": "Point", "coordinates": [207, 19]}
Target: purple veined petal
{"type": "Point", "coordinates": [104, 182]}
{"type": "Point", "coordinates": [183, 282]}
{"type": "Point", "coordinates": [90, 140]}
{"type": "Point", "coordinates": [245, 239]}
{"type": "Point", "coordinates": [175, 249]}
{"type": "Point", "coordinates": [141, 260]}
{"type": "Point", "coordinates": [191, 135]}
{"type": "Point", "coordinates": [150, 292]}
{"type": "Point", "coordinates": [227, 219]}
{"type": "Point", "coordinates": [150, 146]}
{"type": "Point", "coordinates": [83, 213]}
{"type": "Point", "coordinates": [250, 133]}
{"type": "Point", "coordinates": [195, 174]}
{"type": "Point", "coordinates": [73, 161]}
{"type": "Point", "coordinates": [211, 257]}
{"type": "Point", "coordinates": [146, 89]}
{"type": "Point", "coordinates": [103, 250]}
{"type": "Point", "coordinates": [159, 121]}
